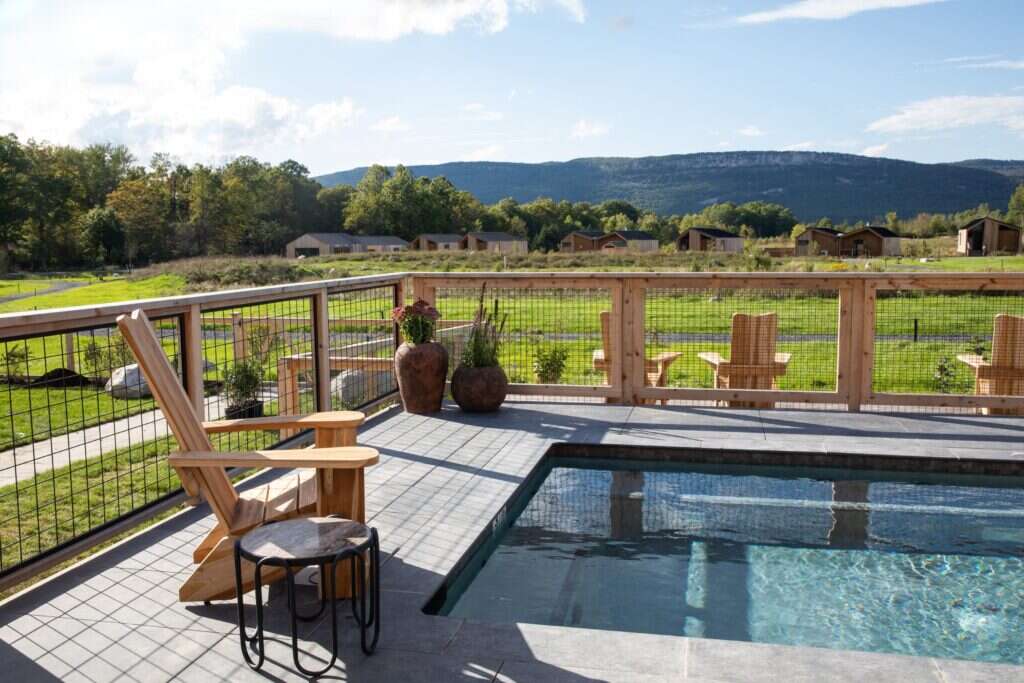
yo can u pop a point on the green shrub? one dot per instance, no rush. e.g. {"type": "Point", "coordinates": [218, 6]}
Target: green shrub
{"type": "Point", "coordinates": [549, 362]}
{"type": "Point", "coordinates": [242, 382]}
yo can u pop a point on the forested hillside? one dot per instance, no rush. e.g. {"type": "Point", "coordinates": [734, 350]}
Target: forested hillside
{"type": "Point", "coordinates": [811, 184]}
{"type": "Point", "coordinates": [64, 207]}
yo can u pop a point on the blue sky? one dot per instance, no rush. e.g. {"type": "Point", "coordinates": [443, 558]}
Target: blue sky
{"type": "Point", "coordinates": [340, 84]}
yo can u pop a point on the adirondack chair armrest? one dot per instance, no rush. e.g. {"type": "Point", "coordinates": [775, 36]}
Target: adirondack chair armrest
{"type": "Point", "coordinates": [713, 359]}
{"type": "Point", "coordinates": [666, 357]}
{"type": "Point", "coordinates": [973, 359]}
{"type": "Point", "coordinates": [343, 458]}
{"type": "Point", "coordinates": [337, 419]}
{"type": "Point", "coordinates": [782, 358]}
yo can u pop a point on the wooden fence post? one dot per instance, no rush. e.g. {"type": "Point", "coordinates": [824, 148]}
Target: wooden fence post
{"type": "Point", "coordinates": [851, 340]}
{"type": "Point", "coordinates": [865, 371]}
{"type": "Point", "coordinates": [193, 367]}
{"type": "Point", "coordinates": [632, 341]}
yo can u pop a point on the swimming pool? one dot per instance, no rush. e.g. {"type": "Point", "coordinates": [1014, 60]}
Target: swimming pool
{"type": "Point", "coordinates": [925, 564]}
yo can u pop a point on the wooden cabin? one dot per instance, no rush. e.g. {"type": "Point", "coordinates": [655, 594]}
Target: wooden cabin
{"type": "Point", "coordinates": [437, 242]}
{"type": "Point", "coordinates": [987, 235]}
{"type": "Point", "coordinates": [581, 240]}
{"type": "Point", "coordinates": [709, 239]}
{"type": "Point", "coordinates": [327, 243]}
{"type": "Point", "coordinates": [501, 242]}
{"type": "Point", "coordinates": [869, 241]}
{"type": "Point", "coordinates": [818, 242]}
{"type": "Point", "coordinates": [628, 240]}
{"type": "Point", "coordinates": [321, 244]}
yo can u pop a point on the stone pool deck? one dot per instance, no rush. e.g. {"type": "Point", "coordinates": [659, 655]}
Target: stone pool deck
{"type": "Point", "coordinates": [440, 482]}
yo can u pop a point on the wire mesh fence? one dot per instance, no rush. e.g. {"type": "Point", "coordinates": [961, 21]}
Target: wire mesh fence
{"type": "Point", "coordinates": [551, 335]}
{"type": "Point", "coordinates": [258, 361]}
{"type": "Point", "coordinates": [362, 346]}
{"type": "Point", "coordinates": [929, 342]}
{"type": "Point", "coordinates": [689, 332]}
{"type": "Point", "coordinates": [81, 441]}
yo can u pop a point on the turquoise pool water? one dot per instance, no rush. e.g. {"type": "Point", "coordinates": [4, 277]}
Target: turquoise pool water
{"type": "Point", "coordinates": [923, 565]}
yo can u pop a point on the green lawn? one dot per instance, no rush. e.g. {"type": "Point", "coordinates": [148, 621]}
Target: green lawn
{"type": "Point", "coordinates": [31, 285]}
{"type": "Point", "coordinates": [106, 291]}
{"type": "Point", "coordinates": [53, 507]}
{"type": "Point", "coordinates": [33, 414]}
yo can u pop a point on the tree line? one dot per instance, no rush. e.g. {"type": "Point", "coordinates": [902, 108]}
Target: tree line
{"type": "Point", "coordinates": [63, 207]}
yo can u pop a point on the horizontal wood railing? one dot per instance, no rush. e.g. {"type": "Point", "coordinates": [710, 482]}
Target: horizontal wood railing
{"type": "Point", "coordinates": [863, 341]}
{"type": "Point", "coordinates": [855, 337]}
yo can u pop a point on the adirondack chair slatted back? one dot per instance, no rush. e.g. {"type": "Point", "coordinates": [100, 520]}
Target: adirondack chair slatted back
{"type": "Point", "coordinates": [180, 414]}
{"type": "Point", "coordinates": [753, 339]}
{"type": "Point", "coordinates": [1008, 353]}
{"type": "Point", "coordinates": [752, 345]}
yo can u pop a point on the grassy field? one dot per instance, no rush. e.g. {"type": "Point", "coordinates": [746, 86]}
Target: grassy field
{"type": "Point", "coordinates": [106, 291]}
{"type": "Point", "coordinates": [53, 507]}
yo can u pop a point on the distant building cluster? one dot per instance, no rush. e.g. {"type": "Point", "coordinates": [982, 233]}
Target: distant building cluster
{"type": "Point", "coordinates": [980, 237]}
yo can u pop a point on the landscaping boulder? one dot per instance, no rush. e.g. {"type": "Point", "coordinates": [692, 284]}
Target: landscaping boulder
{"type": "Point", "coordinates": [128, 382]}
{"type": "Point", "coordinates": [356, 387]}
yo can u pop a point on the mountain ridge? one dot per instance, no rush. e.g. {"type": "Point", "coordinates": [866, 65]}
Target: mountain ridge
{"type": "Point", "coordinates": [812, 184]}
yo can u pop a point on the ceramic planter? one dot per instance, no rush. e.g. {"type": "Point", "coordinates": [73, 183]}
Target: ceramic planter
{"type": "Point", "coordinates": [421, 370]}
{"type": "Point", "coordinates": [479, 390]}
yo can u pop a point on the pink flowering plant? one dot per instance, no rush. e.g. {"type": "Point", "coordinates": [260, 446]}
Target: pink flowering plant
{"type": "Point", "coordinates": [417, 321]}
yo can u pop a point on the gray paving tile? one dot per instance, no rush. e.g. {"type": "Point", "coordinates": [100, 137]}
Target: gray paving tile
{"type": "Point", "coordinates": [956, 671]}
{"type": "Point", "coordinates": [541, 672]}
{"type": "Point", "coordinates": [572, 647]}
{"type": "Point", "coordinates": [756, 662]}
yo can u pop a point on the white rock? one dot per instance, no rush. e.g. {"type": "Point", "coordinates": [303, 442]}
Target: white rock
{"type": "Point", "coordinates": [128, 382]}
{"type": "Point", "coordinates": [356, 387]}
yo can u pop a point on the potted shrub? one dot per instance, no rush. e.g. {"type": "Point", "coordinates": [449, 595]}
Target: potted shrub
{"type": "Point", "coordinates": [421, 364]}
{"type": "Point", "coordinates": [549, 363]}
{"type": "Point", "coordinates": [479, 385]}
{"type": "Point", "coordinates": [242, 383]}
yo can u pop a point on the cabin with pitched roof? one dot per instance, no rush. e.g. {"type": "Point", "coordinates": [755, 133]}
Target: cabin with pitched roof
{"type": "Point", "coordinates": [320, 244]}
{"type": "Point", "coordinates": [709, 239]}
{"type": "Point", "coordinates": [984, 236]}
{"type": "Point", "coordinates": [818, 242]}
{"type": "Point", "coordinates": [581, 240]}
{"type": "Point", "coordinates": [869, 241]}
{"type": "Point", "coordinates": [437, 242]}
{"type": "Point", "coordinates": [501, 242]}
{"type": "Point", "coordinates": [628, 240]}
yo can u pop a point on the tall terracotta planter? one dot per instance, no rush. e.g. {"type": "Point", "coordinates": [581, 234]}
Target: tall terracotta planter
{"type": "Point", "coordinates": [421, 370]}
{"type": "Point", "coordinates": [479, 390]}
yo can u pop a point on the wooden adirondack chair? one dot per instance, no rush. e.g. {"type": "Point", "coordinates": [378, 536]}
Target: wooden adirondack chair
{"type": "Point", "coordinates": [337, 486]}
{"type": "Point", "coordinates": [655, 369]}
{"type": "Point", "coordinates": [753, 362]}
{"type": "Point", "coordinates": [1004, 374]}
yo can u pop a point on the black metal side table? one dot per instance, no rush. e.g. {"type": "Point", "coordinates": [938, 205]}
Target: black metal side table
{"type": "Point", "coordinates": [297, 543]}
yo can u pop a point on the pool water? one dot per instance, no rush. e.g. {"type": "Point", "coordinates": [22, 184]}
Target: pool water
{"type": "Point", "coordinates": [914, 564]}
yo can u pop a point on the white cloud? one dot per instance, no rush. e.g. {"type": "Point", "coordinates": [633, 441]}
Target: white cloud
{"type": "Point", "coordinates": [750, 132]}
{"type": "Point", "coordinates": [589, 129]}
{"type": "Point", "coordinates": [575, 8]}
{"type": "Point", "coordinates": [945, 113]}
{"type": "Point", "coordinates": [968, 58]}
{"type": "Point", "coordinates": [827, 9]}
{"type": "Point", "coordinates": [800, 146]}
{"type": "Point", "coordinates": [160, 79]}
{"type": "Point", "coordinates": [1011, 64]}
{"type": "Point", "coordinates": [392, 124]}
{"type": "Point", "coordinates": [875, 150]}
{"type": "Point", "coordinates": [475, 111]}
{"type": "Point", "coordinates": [491, 152]}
